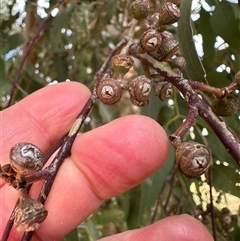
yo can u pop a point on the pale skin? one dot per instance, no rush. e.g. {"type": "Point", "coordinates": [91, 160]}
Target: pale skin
{"type": "Point", "coordinates": [104, 163]}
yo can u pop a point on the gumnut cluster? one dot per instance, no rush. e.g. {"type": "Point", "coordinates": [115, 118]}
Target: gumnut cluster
{"type": "Point", "coordinates": [159, 44]}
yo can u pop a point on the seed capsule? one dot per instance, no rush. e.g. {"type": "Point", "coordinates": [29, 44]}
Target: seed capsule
{"type": "Point", "coordinates": [151, 40]}
{"type": "Point", "coordinates": [168, 48]}
{"type": "Point", "coordinates": [226, 106]}
{"type": "Point", "coordinates": [122, 63]}
{"type": "Point", "coordinates": [169, 14]}
{"type": "Point", "coordinates": [163, 90]}
{"type": "Point", "coordinates": [29, 214]}
{"type": "Point", "coordinates": [193, 158]}
{"type": "Point", "coordinates": [140, 88]}
{"type": "Point", "coordinates": [109, 91]}
{"type": "Point", "coordinates": [178, 62]}
{"type": "Point", "coordinates": [139, 9]}
{"type": "Point", "coordinates": [26, 158]}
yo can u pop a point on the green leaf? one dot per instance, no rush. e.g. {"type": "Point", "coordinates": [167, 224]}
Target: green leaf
{"type": "Point", "coordinates": [207, 35]}
{"type": "Point", "coordinates": [225, 178]}
{"type": "Point", "coordinates": [72, 236]}
{"type": "Point", "coordinates": [13, 42]}
{"type": "Point", "coordinates": [61, 67]}
{"type": "Point", "coordinates": [110, 215]}
{"type": "Point", "coordinates": [227, 28]}
{"type": "Point", "coordinates": [194, 67]}
{"type": "Point", "coordinates": [152, 186]}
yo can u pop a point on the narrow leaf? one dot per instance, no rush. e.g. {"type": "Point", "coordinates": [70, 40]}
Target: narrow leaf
{"type": "Point", "coordinates": [194, 68]}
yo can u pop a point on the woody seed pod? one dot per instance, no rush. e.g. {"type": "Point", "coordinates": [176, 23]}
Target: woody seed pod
{"type": "Point", "coordinates": [122, 63]}
{"type": "Point", "coordinates": [109, 91]}
{"type": "Point", "coordinates": [151, 40]}
{"type": "Point", "coordinates": [29, 214]}
{"type": "Point", "coordinates": [193, 158]}
{"type": "Point", "coordinates": [178, 62]}
{"type": "Point", "coordinates": [163, 90]}
{"type": "Point", "coordinates": [169, 14]}
{"type": "Point", "coordinates": [168, 48]}
{"type": "Point", "coordinates": [26, 158]}
{"type": "Point", "coordinates": [139, 9]}
{"type": "Point", "coordinates": [140, 88]}
{"type": "Point", "coordinates": [226, 106]}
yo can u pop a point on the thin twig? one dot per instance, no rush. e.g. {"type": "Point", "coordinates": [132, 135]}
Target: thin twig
{"type": "Point", "coordinates": [28, 48]}
{"type": "Point", "coordinates": [62, 154]}
{"type": "Point", "coordinates": [211, 204]}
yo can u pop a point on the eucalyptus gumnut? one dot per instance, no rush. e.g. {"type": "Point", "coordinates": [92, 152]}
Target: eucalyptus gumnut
{"type": "Point", "coordinates": [109, 91]}
{"type": "Point", "coordinates": [122, 63]}
{"type": "Point", "coordinates": [139, 9]}
{"type": "Point", "coordinates": [225, 106]}
{"type": "Point", "coordinates": [151, 40]}
{"type": "Point", "coordinates": [26, 158]}
{"type": "Point", "coordinates": [140, 89]}
{"type": "Point", "coordinates": [29, 214]}
{"type": "Point", "coordinates": [169, 14]}
{"type": "Point", "coordinates": [193, 158]}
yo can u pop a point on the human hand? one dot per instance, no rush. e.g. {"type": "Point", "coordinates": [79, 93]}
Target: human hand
{"type": "Point", "coordinates": [104, 162]}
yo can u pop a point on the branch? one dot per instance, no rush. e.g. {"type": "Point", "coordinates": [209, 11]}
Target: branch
{"type": "Point", "coordinates": [219, 127]}
{"type": "Point", "coordinates": [62, 154]}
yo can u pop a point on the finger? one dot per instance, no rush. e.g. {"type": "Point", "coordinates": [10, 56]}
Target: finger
{"type": "Point", "coordinates": [75, 172]}
{"type": "Point", "coordinates": [175, 228]}
{"type": "Point", "coordinates": [43, 117]}
{"type": "Point", "coordinates": [104, 162]}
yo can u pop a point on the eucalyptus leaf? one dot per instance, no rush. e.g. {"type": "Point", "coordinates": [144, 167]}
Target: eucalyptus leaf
{"type": "Point", "coordinates": [194, 67]}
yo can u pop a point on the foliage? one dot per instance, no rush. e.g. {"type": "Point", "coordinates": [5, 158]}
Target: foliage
{"type": "Point", "coordinates": [74, 44]}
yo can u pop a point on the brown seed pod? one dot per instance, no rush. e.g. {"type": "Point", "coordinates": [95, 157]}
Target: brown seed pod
{"type": "Point", "coordinates": [140, 88]}
{"type": "Point", "coordinates": [29, 214]}
{"type": "Point", "coordinates": [26, 158]}
{"type": "Point", "coordinates": [109, 91]}
{"type": "Point", "coordinates": [193, 158]}
{"type": "Point", "coordinates": [178, 62]}
{"type": "Point", "coordinates": [226, 106]}
{"type": "Point", "coordinates": [151, 40]}
{"type": "Point", "coordinates": [122, 63]}
{"type": "Point", "coordinates": [168, 48]}
{"type": "Point", "coordinates": [163, 90]}
{"type": "Point", "coordinates": [169, 14]}
{"type": "Point", "coordinates": [139, 9]}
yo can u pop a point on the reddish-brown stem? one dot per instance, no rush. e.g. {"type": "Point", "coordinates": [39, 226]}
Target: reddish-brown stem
{"type": "Point", "coordinates": [64, 151]}
{"type": "Point", "coordinates": [219, 93]}
{"type": "Point", "coordinates": [185, 126]}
